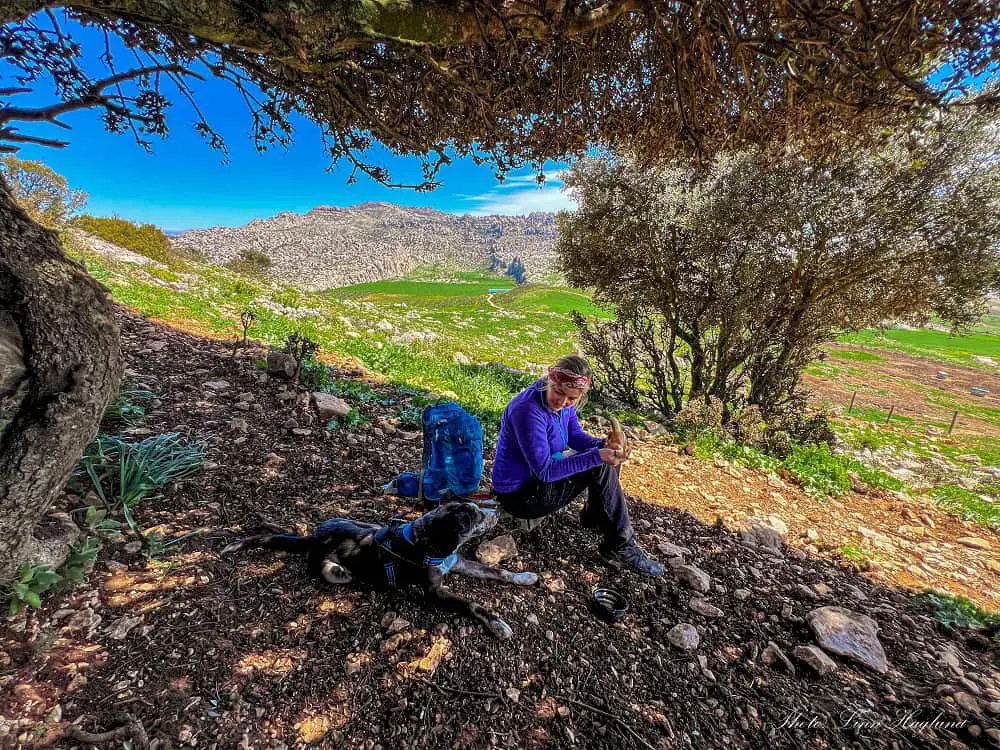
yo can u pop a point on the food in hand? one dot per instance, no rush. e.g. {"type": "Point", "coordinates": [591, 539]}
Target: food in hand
{"type": "Point", "coordinates": [618, 435]}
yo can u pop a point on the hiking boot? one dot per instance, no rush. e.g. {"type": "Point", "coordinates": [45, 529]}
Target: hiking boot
{"type": "Point", "coordinates": [631, 557]}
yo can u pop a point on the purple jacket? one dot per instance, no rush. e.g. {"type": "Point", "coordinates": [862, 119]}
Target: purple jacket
{"type": "Point", "coordinates": [531, 436]}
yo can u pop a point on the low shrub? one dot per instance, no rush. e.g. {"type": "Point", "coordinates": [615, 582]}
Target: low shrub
{"type": "Point", "coordinates": [315, 376]}
{"type": "Point", "coordinates": [27, 589]}
{"type": "Point", "coordinates": [144, 239]}
{"type": "Point", "coordinates": [967, 504]}
{"type": "Point", "coordinates": [126, 473]}
{"type": "Point", "coordinates": [853, 553]}
{"type": "Point", "coordinates": [820, 471]}
{"type": "Point", "coordinates": [251, 263]}
{"type": "Point", "coordinates": [126, 408]}
{"type": "Point", "coordinates": [954, 611]}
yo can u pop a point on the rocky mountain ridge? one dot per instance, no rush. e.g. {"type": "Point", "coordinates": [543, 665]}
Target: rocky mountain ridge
{"type": "Point", "coordinates": [331, 247]}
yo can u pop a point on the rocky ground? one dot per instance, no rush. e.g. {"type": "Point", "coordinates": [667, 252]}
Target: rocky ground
{"type": "Point", "coordinates": [908, 541]}
{"type": "Point", "coordinates": [249, 653]}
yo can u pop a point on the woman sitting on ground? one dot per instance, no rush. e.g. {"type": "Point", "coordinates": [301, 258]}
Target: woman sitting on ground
{"type": "Point", "coordinates": [544, 460]}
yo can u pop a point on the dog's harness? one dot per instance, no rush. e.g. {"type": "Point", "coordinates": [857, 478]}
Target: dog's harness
{"type": "Point", "coordinates": [397, 541]}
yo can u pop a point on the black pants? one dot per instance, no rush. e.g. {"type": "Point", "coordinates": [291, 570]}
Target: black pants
{"type": "Point", "coordinates": [605, 506]}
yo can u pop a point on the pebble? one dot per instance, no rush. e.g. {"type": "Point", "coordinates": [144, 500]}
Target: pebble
{"type": "Point", "coordinates": [684, 636]}
{"type": "Point", "coordinates": [772, 654]}
{"type": "Point", "coordinates": [966, 701]}
{"type": "Point", "coordinates": [815, 658]}
{"type": "Point", "coordinates": [704, 608]}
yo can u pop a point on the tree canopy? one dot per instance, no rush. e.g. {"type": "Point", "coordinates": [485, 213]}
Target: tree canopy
{"type": "Point", "coordinates": [513, 82]}
{"type": "Point", "coordinates": [726, 281]}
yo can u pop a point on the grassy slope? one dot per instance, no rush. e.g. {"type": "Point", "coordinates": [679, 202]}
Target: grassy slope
{"type": "Point", "coordinates": [524, 328]}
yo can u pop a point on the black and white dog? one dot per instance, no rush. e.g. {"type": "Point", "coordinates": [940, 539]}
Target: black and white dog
{"type": "Point", "coordinates": [422, 552]}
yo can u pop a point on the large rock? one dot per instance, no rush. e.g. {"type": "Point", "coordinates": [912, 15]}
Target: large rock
{"type": "Point", "coordinates": [281, 364]}
{"type": "Point", "coordinates": [849, 634]}
{"type": "Point", "coordinates": [694, 577]}
{"type": "Point", "coordinates": [765, 532]}
{"type": "Point", "coordinates": [495, 551]}
{"type": "Point", "coordinates": [330, 406]}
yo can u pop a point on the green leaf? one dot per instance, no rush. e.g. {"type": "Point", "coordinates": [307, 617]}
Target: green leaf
{"type": "Point", "coordinates": [33, 599]}
{"type": "Point", "coordinates": [46, 579]}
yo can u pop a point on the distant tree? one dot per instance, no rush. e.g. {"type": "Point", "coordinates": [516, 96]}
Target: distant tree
{"type": "Point", "coordinates": [516, 270]}
{"type": "Point", "coordinates": [506, 82]}
{"type": "Point", "coordinates": [726, 282]}
{"type": "Point", "coordinates": [251, 262]}
{"type": "Point", "coordinates": [496, 265]}
{"type": "Point", "coordinates": [41, 191]}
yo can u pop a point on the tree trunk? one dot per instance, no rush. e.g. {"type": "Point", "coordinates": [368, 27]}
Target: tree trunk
{"type": "Point", "coordinates": [60, 363]}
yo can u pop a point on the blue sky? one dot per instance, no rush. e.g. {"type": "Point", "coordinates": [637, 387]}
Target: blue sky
{"type": "Point", "coordinates": [184, 183]}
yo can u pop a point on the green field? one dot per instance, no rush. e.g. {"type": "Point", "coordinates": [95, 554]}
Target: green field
{"type": "Point", "coordinates": [409, 288]}
{"type": "Point", "coordinates": [932, 344]}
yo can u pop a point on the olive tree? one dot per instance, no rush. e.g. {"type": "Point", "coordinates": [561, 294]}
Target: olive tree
{"type": "Point", "coordinates": [41, 191]}
{"type": "Point", "coordinates": [505, 82]}
{"type": "Point", "coordinates": [727, 280]}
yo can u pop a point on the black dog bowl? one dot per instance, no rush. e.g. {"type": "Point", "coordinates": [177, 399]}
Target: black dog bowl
{"type": "Point", "coordinates": [608, 604]}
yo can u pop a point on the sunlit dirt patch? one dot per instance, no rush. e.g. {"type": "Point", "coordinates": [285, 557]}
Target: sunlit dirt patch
{"type": "Point", "coordinates": [246, 572]}
{"type": "Point", "coordinates": [427, 664]}
{"type": "Point", "coordinates": [341, 604]}
{"type": "Point", "coordinates": [127, 588]}
{"type": "Point", "coordinates": [276, 663]}
{"type": "Point", "coordinates": [316, 723]}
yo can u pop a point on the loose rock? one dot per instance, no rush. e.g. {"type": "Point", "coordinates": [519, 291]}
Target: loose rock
{"type": "Point", "coordinates": [849, 634]}
{"type": "Point", "coordinates": [815, 658]}
{"type": "Point", "coordinates": [495, 551]}
{"type": "Point", "coordinates": [684, 636]}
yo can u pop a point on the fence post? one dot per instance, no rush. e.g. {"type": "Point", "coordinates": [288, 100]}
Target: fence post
{"type": "Point", "coordinates": [853, 396]}
{"type": "Point", "coordinates": [953, 418]}
{"type": "Point", "coordinates": [891, 410]}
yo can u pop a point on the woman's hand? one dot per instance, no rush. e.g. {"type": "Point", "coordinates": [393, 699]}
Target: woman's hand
{"type": "Point", "coordinates": [613, 456]}
{"type": "Point", "coordinates": [612, 440]}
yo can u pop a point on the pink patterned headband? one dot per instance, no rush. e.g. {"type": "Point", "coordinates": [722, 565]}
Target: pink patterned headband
{"type": "Point", "coordinates": [562, 377]}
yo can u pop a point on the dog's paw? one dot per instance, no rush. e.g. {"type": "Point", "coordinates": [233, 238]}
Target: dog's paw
{"type": "Point", "coordinates": [500, 629]}
{"type": "Point", "coordinates": [335, 573]}
{"type": "Point", "coordinates": [525, 579]}
{"type": "Point", "coordinates": [231, 548]}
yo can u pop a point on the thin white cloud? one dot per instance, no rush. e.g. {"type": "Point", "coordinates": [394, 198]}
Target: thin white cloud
{"type": "Point", "coordinates": [521, 195]}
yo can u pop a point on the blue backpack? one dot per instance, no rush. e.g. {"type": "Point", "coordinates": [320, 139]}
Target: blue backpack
{"type": "Point", "coordinates": [453, 456]}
